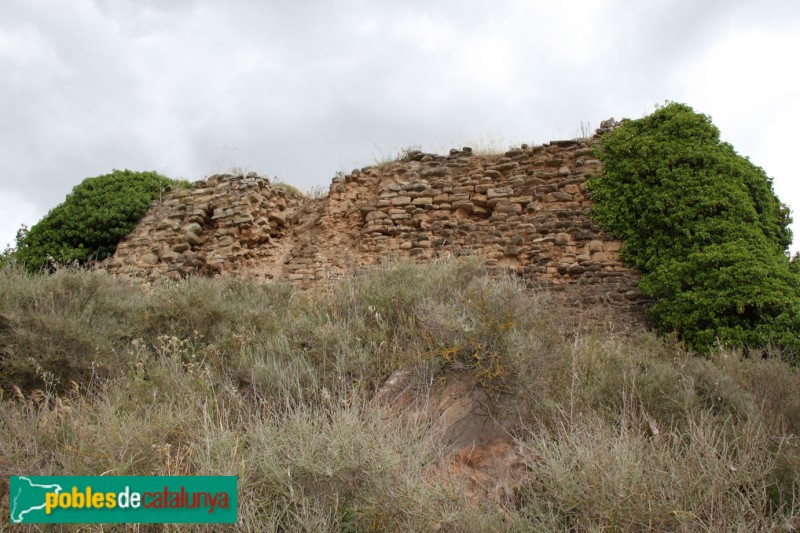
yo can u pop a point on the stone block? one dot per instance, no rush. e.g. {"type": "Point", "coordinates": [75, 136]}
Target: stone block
{"type": "Point", "coordinates": [194, 227]}
{"type": "Point", "coordinates": [459, 198]}
{"type": "Point", "coordinates": [435, 172]}
{"type": "Point", "coordinates": [504, 167]}
{"type": "Point", "coordinates": [193, 238]}
{"type": "Point", "coordinates": [576, 269]}
{"type": "Point", "coordinates": [521, 199]}
{"type": "Point", "coordinates": [494, 202]}
{"type": "Point", "coordinates": [558, 197]}
{"type": "Point", "coordinates": [595, 246]}
{"type": "Point", "coordinates": [499, 192]}
{"type": "Point", "coordinates": [148, 259]}
{"type": "Point", "coordinates": [376, 215]}
{"type": "Point", "coordinates": [169, 256]}
{"type": "Point", "coordinates": [416, 186]}
{"type": "Point", "coordinates": [508, 208]}
{"type": "Point", "coordinates": [243, 220]}
{"type": "Point", "coordinates": [440, 214]}
{"type": "Point", "coordinates": [466, 205]}
{"type": "Point", "coordinates": [401, 200]}
{"type": "Point", "coordinates": [479, 199]}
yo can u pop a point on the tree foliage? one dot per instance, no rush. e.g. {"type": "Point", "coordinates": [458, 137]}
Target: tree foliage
{"type": "Point", "coordinates": [706, 229]}
{"type": "Point", "coordinates": [95, 216]}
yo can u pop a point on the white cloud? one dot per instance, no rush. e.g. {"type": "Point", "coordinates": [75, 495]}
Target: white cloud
{"type": "Point", "coordinates": [746, 83]}
{"type": "Point", "coordinates": [15, 211]}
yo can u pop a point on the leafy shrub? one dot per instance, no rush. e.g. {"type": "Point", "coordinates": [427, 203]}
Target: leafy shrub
{"type": "Point", "coordinates": [95, 216]}
{"type": "Point", "coordinates": [705, 227]}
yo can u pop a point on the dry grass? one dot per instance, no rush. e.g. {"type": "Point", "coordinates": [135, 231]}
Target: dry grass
{"type": "Point", "coordinates": [274, 386]}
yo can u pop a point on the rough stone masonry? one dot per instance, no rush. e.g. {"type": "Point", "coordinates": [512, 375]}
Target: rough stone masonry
{"type": "Point", "coordinates": [525, 211]}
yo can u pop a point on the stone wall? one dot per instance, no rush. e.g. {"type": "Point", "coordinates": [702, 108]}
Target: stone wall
{"type": "Point", "coordinates": [524, 211]}
{"type": "Point", "coordinates": [225, 224]}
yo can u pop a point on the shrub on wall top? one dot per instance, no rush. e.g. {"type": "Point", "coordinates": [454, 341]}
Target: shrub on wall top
{"type": "Point", "coordinates": [95, 216]}
{"type": "Point", "coordinates": [706, 229]}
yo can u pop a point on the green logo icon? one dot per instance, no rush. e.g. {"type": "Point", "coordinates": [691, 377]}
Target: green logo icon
{"type": "Point", "coordinates": [29, 497]}
{"type": "Point", "coordinates": [122, 499]}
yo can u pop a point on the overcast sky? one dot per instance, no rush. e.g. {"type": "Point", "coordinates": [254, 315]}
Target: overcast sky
{"type": "Point", "coordinates": [301, 89]}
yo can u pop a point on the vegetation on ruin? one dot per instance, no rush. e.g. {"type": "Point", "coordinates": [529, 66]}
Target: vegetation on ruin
{"type": "Point", "coordinates": [705, 227]}
{"type": "Point", "coordinates": [232, 377]}
{"type": "Point", "coordinates": [94, 217]}
{"type": "Point", "coordinates": [290, 190]}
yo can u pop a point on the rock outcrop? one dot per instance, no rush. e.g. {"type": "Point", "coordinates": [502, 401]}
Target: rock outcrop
{"type": "Point", "coordinates": [475, 430]}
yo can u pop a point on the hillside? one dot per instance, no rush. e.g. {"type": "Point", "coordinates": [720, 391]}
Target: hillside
{"type": "Point", "coordinates": [411, 398]}
{"type": "Point", "coordinates": [439, 343]}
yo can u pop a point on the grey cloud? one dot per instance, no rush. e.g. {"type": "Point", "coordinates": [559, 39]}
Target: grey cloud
{"type": "Point", "coordinates": [303, 89]}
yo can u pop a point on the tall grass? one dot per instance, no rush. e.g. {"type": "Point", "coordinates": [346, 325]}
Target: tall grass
{"type": "Point", "coordinates": [225, 376]}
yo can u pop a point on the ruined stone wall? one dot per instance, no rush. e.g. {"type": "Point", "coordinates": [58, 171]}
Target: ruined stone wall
{"type": "Point", "coordinates": [525, 211]}
{"type": "Point", "coordinates": [225, 224]}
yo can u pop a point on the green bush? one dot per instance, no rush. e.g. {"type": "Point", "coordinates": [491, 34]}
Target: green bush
{"type": "Point", "coordinates": [92, 220]}
{"type": "Point", "coordinates": [705, 227]}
